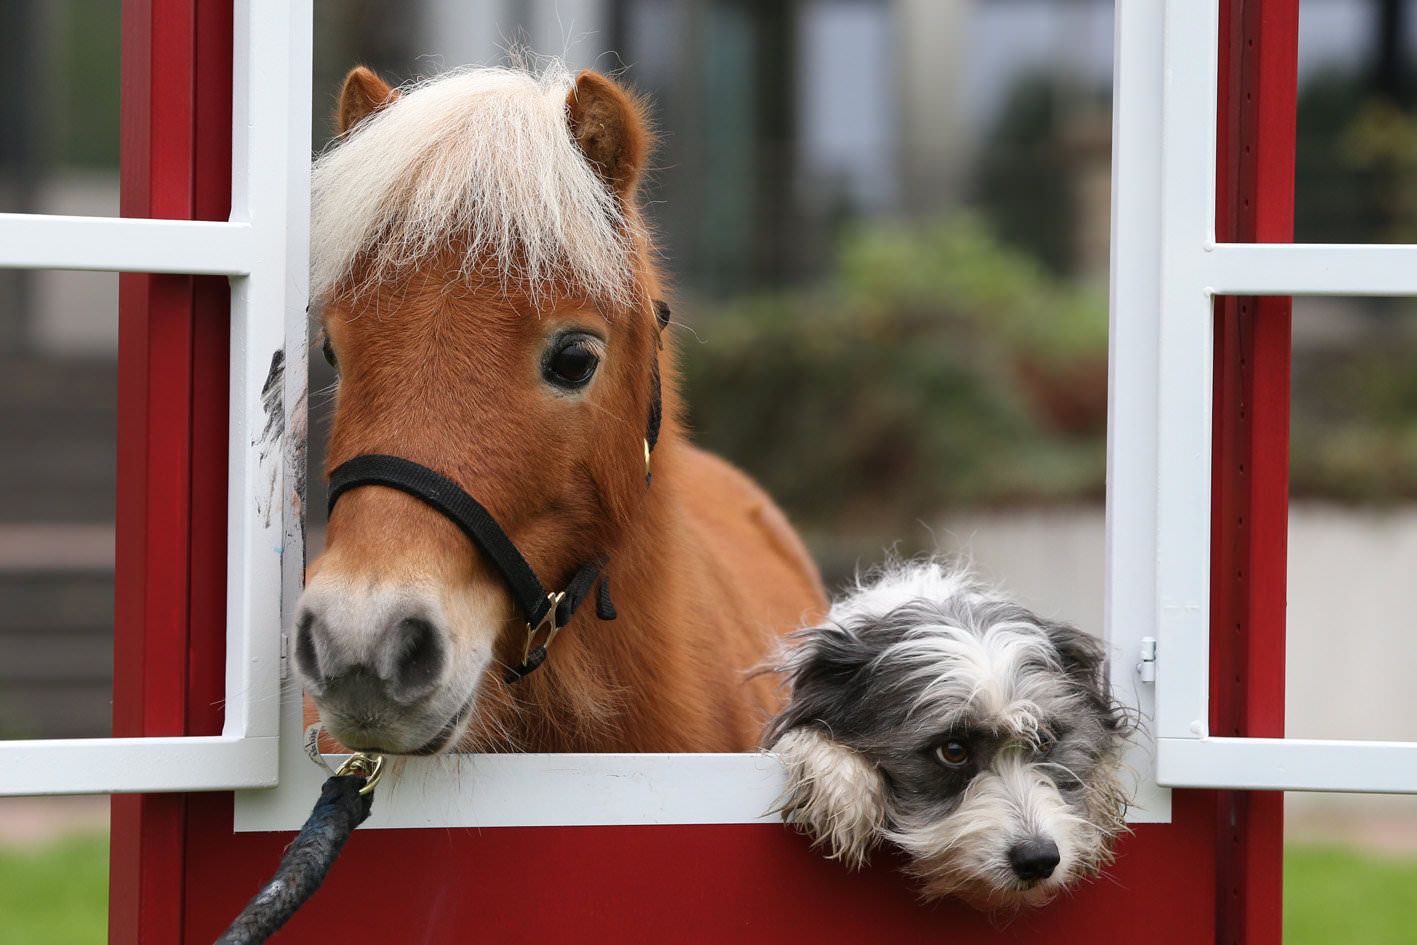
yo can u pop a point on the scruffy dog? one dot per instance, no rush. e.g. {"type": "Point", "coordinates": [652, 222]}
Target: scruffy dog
{"type": "Point", "coordinates": [931, 712]}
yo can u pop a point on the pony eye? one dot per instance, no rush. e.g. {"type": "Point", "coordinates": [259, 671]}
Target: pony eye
{"type": "Point", "coordinates": [952, 754]}
{"type": "Point", "coordinates": [573, 364]}
{"type": "Point", "coordinates": [329, 351]}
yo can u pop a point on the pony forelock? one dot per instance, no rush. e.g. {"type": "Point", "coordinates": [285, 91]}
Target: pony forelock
{"type": "Point", "coordinates": [479, 160]}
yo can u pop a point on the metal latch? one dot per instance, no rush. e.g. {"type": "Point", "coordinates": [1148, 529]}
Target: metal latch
{"type": "Point", "coordinates": [1146, 669]}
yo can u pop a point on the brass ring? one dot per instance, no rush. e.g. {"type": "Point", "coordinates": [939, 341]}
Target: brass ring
{"type": "Point", "coordinates": [368, 766]}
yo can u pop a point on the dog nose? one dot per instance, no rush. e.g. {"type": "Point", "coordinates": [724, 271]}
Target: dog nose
{"type": "Point", "coordinates": [1034, 859]}
{"type": "Point", "coordinates": [403, 661]}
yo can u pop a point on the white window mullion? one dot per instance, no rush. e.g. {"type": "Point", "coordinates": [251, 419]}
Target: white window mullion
{"type": "Point", "coordinates": [1312, 269]}
{"type": "Point", "coordinates": [131, 765]}
{"type": "Point", "coordinates": [1184, 383]}
{"type": "Point", "coordinates": [271, 155]}
{"type": "Point", "coordinates": [115, 244]}
{"type": "Point", "coordinates": [1130, 602]}
{"type": "Point", "coordinates": [1289, 764]}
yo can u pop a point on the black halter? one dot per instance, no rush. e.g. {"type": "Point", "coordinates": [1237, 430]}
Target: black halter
{"type": "Point", "coordinates": [546, 612]}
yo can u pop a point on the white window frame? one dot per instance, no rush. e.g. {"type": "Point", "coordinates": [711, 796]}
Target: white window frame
{"type": "Point", "coordinates": [1131, 568]}
{"type": "Point", "coordinates": [549, 790]}
{"type": "Point", "coordinates": [263, 249]}
{"type": "Point", "coordinates": [1167, 270]}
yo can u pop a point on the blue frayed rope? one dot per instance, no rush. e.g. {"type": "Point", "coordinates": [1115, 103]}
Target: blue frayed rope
{"type": "Point", "coordinates": [307, 861]}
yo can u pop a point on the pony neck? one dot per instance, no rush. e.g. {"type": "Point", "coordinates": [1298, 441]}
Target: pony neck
{"type": "Point", "coordinates": [605, 682]}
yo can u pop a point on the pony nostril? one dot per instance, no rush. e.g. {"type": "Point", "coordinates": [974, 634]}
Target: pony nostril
{"type": "Point", "coordinates": [1034, 859]}
{"type": "Point", "coordinates": [418, 659]}
{"type": "Point", "coordinates": [305, 656]}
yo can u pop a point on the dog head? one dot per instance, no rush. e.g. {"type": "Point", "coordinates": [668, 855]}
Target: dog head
{"type": "Point", "coordinates": [981, 739]}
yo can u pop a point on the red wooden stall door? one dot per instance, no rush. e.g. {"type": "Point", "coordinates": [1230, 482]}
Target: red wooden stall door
{"type": "Point", "coordinates": [180, 873]}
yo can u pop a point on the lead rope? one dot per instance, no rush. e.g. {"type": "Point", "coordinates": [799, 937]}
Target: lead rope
{"type": "Point", "coordinates": [345, 802]}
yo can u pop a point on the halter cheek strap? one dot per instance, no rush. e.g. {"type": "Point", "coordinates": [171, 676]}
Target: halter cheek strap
{"type": "Point", "coordinates": [546, 612]}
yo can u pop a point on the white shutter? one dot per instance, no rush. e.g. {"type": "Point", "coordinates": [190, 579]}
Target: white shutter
{"type": "Point", "coordinates": [263, 249]}
{"type": "Point", "coordinates": [1167, 270]}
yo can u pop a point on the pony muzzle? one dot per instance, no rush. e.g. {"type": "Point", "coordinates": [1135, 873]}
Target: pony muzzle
{"type": "Point", "coordinates": [383, 666]}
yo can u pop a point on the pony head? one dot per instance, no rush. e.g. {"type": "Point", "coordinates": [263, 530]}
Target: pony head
{"type": "Point", "coordinates": [485, 286]}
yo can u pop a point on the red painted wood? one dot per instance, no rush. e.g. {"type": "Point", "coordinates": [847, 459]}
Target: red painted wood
{"type": "Point", "coordinates": [1255, 203]}
{"type": "Point", "coordinates": [210, 405]}
{"type": "Point", "coordinates": [211, 356]}
{"type": "Point", "coordinates": [153, 467]}
{"type": "Point", "coordinates": [154, 380]}
{"type": "Point", "coordinates": [683, 885]}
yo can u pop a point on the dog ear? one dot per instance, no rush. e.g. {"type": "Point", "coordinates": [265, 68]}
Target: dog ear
{"type": "Point", "coordinates": [833, 794]}
{"type": "Point", "coordinates": [1080, 653]}
{"type": "Point", "coordinates": [824, 666]}
{"type": "Point", "coordinates": [1084, 660]}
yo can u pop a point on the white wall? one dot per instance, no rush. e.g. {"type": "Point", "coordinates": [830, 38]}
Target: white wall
{"type": "Point", "coordinates": [75, 313]}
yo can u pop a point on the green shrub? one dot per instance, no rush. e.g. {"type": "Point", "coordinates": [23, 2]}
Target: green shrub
{"type": "Point", "coordinates": [1354, 426]}
{"type": "Point", "coordinates": [940, 367]}
{"type": "Point", "coordinates": [930, 371]}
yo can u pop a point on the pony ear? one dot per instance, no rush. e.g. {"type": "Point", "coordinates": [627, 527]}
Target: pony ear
{"type": "Point", "coordinates": [363, 94]}
{"type": "Point", "coordinates": [610, 129]}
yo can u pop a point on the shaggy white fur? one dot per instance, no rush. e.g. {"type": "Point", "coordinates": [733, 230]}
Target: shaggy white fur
{"type": "Point", "coordinates": [835, 794]}
{"type": "Point", "coordinates": [883, 589]}
{"type": "Point", "coordinates": [952, 854]}
{"type": "Point", "coordinates": [971, 668]}
{"type": "Point", "coordinates": [483, 158]}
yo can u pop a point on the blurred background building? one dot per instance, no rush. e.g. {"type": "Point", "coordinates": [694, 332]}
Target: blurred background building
{"type": "Point", "coordinates": [887, 221]}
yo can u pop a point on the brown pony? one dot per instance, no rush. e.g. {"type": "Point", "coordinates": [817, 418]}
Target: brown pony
{"type": "Point", "coordinates": [487, 289]}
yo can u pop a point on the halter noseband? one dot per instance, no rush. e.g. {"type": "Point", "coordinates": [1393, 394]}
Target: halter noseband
{"type": "Point", "coordinates": [546, 612]}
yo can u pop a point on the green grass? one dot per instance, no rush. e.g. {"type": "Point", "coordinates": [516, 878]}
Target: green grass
{"type": "Point", "coordinates": [1337, 896]}
{"type": "Point", "coordinates": [56, 894]}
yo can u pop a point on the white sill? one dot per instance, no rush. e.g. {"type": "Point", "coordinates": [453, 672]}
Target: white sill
{"type": "Point", "coordinates": [510, 790]}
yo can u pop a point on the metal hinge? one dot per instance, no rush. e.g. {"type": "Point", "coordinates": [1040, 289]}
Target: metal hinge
{"type": "Point", "coordinates": [284, 655]}
{"type": "Point", "coordinates": [1146, 669]}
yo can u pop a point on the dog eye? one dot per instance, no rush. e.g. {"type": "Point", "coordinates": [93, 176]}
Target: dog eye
{"type": "Point", "coordinates": [952, 754]}
{"type": "Point", "coordinates": [572, 364]}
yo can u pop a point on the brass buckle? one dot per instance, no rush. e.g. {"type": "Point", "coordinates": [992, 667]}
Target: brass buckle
{"type": "Point", "coordinates": [368, 766]}
{"type": "Point", "coordinates": [548, 625]}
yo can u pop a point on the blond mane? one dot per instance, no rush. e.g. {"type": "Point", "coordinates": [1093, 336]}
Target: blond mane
{"type": "Point", "coordinates": [478, 159]}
